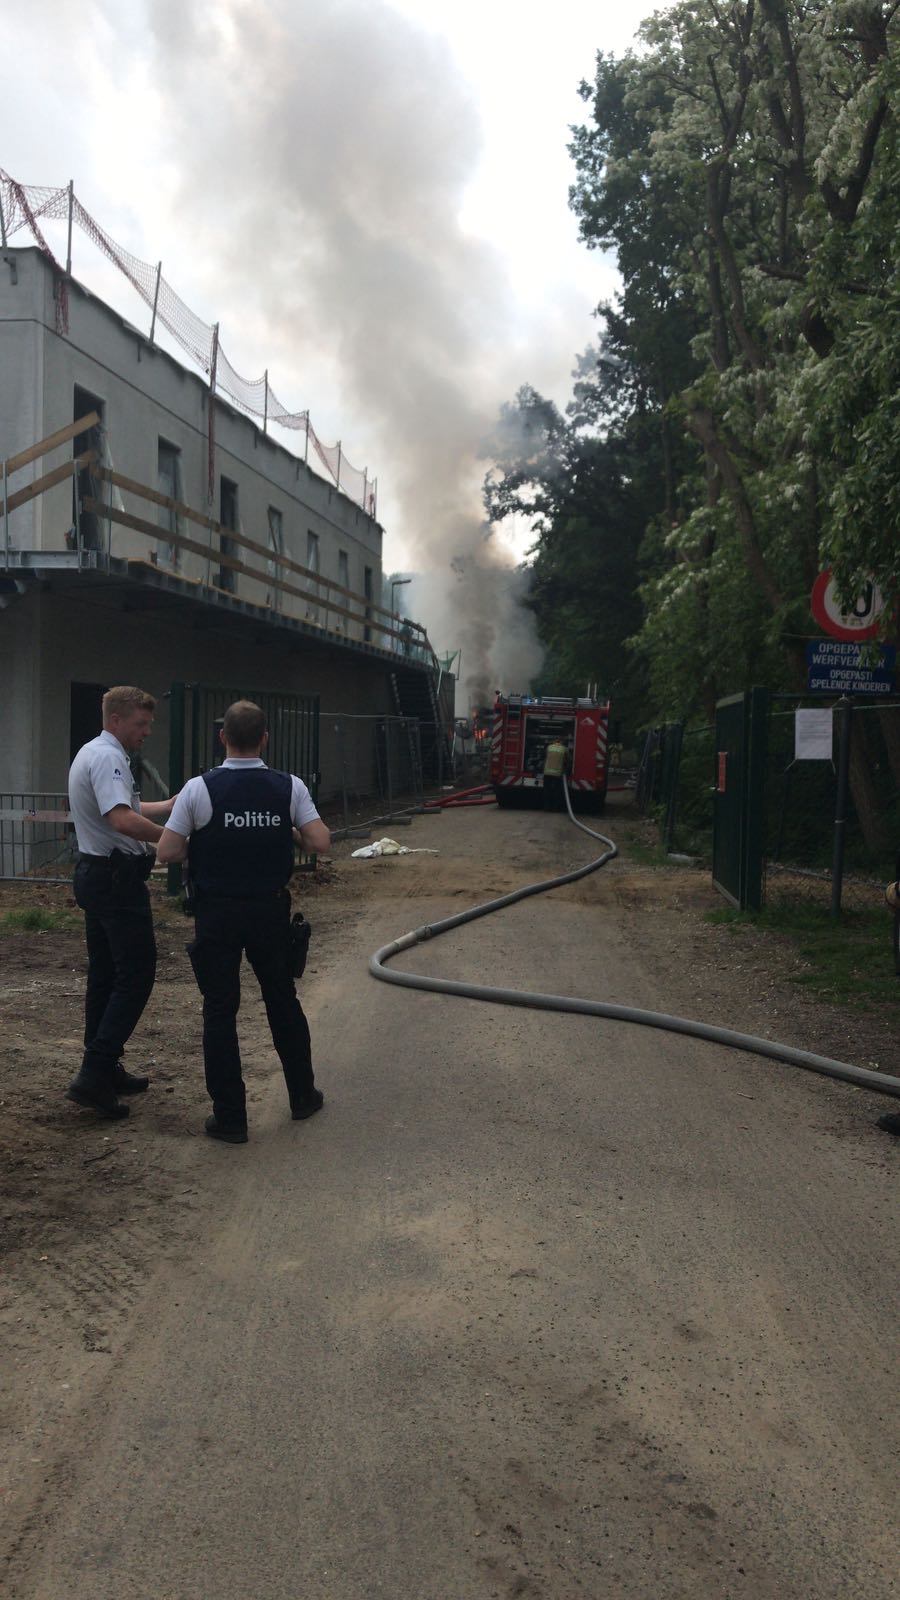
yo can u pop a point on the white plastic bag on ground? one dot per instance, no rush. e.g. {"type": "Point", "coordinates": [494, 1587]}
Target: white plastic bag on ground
{"type": "Point", "coordinates": [388, 847]}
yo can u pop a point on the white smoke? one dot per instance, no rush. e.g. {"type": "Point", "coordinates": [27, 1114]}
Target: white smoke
{"type": "Point", "coordinates": [302, 166]}
{"type": "Point", "coordinates": [329, 146]}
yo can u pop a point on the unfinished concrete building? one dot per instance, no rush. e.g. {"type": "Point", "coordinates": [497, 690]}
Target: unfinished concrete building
{"type": "Point", "coordinates": [166, 538]}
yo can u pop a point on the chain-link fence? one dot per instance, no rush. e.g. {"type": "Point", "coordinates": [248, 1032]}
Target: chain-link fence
{"type": "Point", "coordinates": [802, 801]}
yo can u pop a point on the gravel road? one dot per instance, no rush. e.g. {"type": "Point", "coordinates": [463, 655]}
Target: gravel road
{"type": "Point", "coordinates": [539, 1306]}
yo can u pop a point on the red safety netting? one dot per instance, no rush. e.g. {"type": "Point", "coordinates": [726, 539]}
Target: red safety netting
{"type": "Point", "coordinates": [22, 205]}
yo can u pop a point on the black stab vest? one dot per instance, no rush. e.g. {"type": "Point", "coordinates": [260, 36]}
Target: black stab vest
{"type": "Point", "coordinates": [246, 849]}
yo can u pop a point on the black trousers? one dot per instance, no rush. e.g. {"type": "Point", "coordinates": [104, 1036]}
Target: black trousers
{"type": "Point", "coordinates": [554, 799]}
{"type": "Point", "coordinates": [224, 930]}
{"type": "Point", "coordinates": [118, 928]}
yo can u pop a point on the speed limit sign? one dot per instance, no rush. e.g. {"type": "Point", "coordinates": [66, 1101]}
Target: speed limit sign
{"type": "Point", "coordinates": [858, 621]}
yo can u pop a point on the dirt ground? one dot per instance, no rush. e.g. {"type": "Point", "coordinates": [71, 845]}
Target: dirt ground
{"type": "Point", "coordinates": [69, 1178]}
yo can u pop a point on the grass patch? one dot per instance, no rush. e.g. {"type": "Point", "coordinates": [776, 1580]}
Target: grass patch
{"type": "Point", "coordinates": [653, 855]}
{"type": "Point", "coordinates": [37, 919]}
{"type": "Point", "coordinates": [850, 961]}
{"type": "Point", "coordinates": [644, 855]}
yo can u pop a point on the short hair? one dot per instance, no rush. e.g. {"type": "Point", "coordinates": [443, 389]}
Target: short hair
{"type": "Point", "coordinates": [244, 725]}
{"type": "Point", "coordinates": [124, 698]}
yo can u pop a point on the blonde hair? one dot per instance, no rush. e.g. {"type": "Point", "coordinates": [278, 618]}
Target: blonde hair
{"type": "Point", "coordinates": [125, 698]}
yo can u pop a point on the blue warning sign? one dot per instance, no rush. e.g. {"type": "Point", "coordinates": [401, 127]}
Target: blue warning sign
{"type": "Point", "coordinates": [840, 666]}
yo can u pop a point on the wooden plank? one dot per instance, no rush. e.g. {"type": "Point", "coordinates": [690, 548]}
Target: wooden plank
{"type": "Point", "coordinates": [188, 512]}
{"type": "Point", "coordinates": [50, 479]}
{"type": "Point", "coordinates": [220, 559]}
{"type": "Point", "coordinates": [44, 446]}
{"type": "Point", "coordinates": [35, 816]}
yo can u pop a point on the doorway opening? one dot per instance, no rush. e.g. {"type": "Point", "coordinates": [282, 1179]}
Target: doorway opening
{"type": "Point", "coordinates": [88, 482]}
{"type": "Point", "coordinates": [85, 714]}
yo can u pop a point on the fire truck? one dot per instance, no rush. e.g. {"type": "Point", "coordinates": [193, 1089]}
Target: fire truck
{"type": "Point", "coordinates": [522, 729]}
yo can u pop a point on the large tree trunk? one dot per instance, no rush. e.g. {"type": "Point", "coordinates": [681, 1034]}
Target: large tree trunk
{"type": "Point", "coordinates": [871, 811]}
{"type": "Point", "coordinates": [889, 723]}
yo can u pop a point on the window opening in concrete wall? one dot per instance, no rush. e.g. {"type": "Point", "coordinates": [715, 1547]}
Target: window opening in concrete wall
{"type": "Point", "coordinates": [169, 483]}
{"type": "Point", "coordinates": [85, 713]}
{"type": "Point", "coordinates": [344, 581]}
{"type": "Point", "coordinates": [312, 562]}
{"type": "Point", "coordinates": [276, 544]}
{"type": "Point", "coordinates": [88, 483]}
{"type": "Point", "coordinates": [367, 590]}
{"type": "Point", "coordinates": [228, 517]}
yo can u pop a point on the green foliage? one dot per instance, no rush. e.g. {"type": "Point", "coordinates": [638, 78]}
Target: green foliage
{"type": "Point", "coordinates": [852, 397]}
{"type": "Point", "coordinates": [36, 919]}
{"type": "Point", "coordinates": [739, 428]}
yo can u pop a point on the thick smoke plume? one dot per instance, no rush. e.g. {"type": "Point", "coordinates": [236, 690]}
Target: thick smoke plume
{"type": "Point", "coordinates": [330, 144]}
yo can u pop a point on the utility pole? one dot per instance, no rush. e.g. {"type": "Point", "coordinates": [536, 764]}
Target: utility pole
{"type": "Point", "coordinates": [840, 808]}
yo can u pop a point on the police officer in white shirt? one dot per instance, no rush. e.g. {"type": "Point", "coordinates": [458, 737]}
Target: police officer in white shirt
{"type": "Point", "coordinates": [115, 830]}
{"type": "Point", "coordinates": [236, 828]}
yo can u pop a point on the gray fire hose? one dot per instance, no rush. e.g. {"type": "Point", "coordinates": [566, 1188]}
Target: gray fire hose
{"type": "Point", "coordinates": [880, 1082]}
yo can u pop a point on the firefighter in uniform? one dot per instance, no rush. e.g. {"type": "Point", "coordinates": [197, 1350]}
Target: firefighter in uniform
{"type": "Point", "coordinates": [556, 760]}
{"type": "Point", "coordinates": [115, 830]}
{"type": "Point", "coordinates": [236, 828]}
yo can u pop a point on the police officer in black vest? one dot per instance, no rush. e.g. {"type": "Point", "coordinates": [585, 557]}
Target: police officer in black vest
{"type": "Point", "coordinates": [236, 827]}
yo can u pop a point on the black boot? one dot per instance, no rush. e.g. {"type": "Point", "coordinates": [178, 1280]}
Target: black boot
{"type": "Point", "coordinates": [308, 1106]}
{"type": "Point", "coordinates": [96, 1094]}
{"type": "Point", "coordinates": [230, 1132]}
{"type": "Point", "coordinates": [125, 1082]}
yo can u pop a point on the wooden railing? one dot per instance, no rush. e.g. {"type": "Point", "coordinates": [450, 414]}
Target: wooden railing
{"type": "Point", "coordinates": [327, 595]}
{"type": "Point", "coordinates": [366, 617]}
{"type": "Point", "coordinates": [49, 480]}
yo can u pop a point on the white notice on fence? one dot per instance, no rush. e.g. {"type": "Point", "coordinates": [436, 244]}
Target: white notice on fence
{"type": "Point", "coordinates": [812, 735]}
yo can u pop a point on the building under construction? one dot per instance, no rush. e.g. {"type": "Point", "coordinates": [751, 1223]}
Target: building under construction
{"type": "Point", "coordinates": [151, 533]}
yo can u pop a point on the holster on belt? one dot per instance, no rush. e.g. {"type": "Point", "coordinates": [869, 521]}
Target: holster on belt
{"type": "Point", "coordinates": [125, 870]}
{"type": "Point", "coordinates": [299, 943]}
{"type": "Point", "coordinates": [188, 892]}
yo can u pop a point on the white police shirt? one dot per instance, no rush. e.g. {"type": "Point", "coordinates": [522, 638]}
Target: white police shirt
{"type": "Point", "coordinates": [193, 808]}
{"type": "Point", "coordinates": [100, 778]}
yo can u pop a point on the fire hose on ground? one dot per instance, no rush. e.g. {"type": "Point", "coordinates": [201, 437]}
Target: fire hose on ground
{"type": "Point", "coordinates": [861, 1077]}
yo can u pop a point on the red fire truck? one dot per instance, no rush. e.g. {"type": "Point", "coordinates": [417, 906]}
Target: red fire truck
{"type": "Point", "coordinates": [522, 729]}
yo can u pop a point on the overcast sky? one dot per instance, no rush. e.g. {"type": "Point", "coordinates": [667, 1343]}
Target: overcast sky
{"type": "Point", "coordinates": [369, 196]}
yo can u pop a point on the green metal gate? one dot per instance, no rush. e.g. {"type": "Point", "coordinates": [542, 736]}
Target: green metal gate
{"type": "Point", "coordinates": [195, 716]}
{"type": "Point", "coordinates": [739, 797]}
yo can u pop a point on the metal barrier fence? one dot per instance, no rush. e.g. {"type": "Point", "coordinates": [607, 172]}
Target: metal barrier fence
{"type": "Point", "coordinates": [37, 840]}
{"type": "Point", "coordinates": [371, 764]}
{"type": "Point", "coordinates": [677, 780]}
{"type": "Point", "coordinates": [364, 766]}
{"type": "Point", "coordinates": [802, 803]}
{"type": "Point", "coordinates": [195, 716]}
